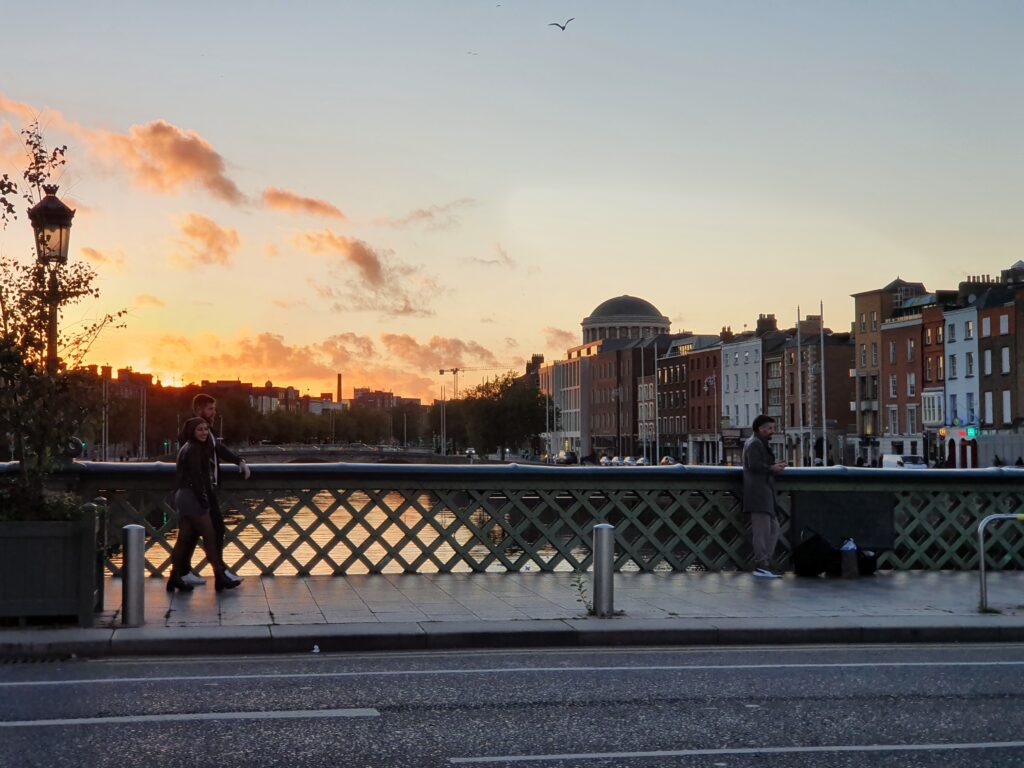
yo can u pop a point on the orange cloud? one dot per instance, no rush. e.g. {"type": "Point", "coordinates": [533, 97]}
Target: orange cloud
{"type": "Point", "coordinates": [356, 252]}
{"type": "Point", "coordinates": [439, 352]}
{"type": "Point", "coordinates": [283, 200]}
{"type": "Point", "coordinates": [148, 300]}
{"type": "Point", "coordinates": [559, 339]}
{"type": "Point", "coordinates": [432, 217]}
{"type": "Point", "coordinates": [102, 258]}
{"type": "Point", "coordinates": [164, 158]}
{"type": "Point", "coordinates": [204, 242]}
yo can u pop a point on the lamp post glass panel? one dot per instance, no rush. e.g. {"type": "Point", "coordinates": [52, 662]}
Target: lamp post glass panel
{"type": "Point", "coordinates": [51, 223]}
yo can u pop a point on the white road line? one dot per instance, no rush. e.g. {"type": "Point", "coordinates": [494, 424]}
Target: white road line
{"type": "Point", "coordinates": [513, 671]}
{"type": "Point", "coordinates": [293, 714]}
{"type": "Point", "coordinates": [742, 751]}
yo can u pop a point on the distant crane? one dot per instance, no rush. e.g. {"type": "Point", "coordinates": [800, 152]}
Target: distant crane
{"type": "Point", "coordinates": [456, 371]}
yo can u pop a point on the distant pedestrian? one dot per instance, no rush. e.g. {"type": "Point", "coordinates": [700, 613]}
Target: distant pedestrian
{"type": "Point", "coordinates": [194, 498]}
{"type": "Point", "coordinates": [205, 407]}
{"type": "Point", "coordinates": [860, 461]}
{"type": "Point", "coordinates": [1019, 462]}
{"type": "Point", "coordinates": [759, 470]}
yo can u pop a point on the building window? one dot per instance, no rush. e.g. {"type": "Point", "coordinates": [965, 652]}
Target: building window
{"type": "Point", "coordinates": [987, 414]}
{"type": "Point", "coordinates": [968, 329]}
{"type": "Point", "coordinates": [986, 327]}
{"type": "Point", "coordinates": [928, 369]}
{"type": "Point", "coordinates": [1004, 353]}
{"type": "Point", "coordinates": [863, 323]}
{"type": "Point", "coordinates": [927, 336]}
{"type": "Point", "coordinates": [893, 426]}
{"type": "Point", "coordinates": [910, 350]}
{"type": "Point", "coordinates": [986, 362]}
{"type": "Point", "coordinates": [911, 385]}
{"type": "Point", "coordinates": [1004, 325]}
{"type": "Point", "coordinates": [911, 419]}
{"type": "Point", "coordinates": [746, 358]}
{"type": "Point", "coordinates": [874, 355]}
{"type": "Point", "coordinates": [942, 368]}
{"type": "Point", "coordinates": [951, 333]}
{"type": "Point", "coordinates": [969, 364]}
{"type": "Point", "coordinates": [938, 334]}
{"type": "Point", "coordinates": [874, 320]}
{"type": "Point", "coordinates": [952, 366]}
{"type": "Point", "coordinates": [863, 356]}
{"type": "Point", "coordinates": [952, 408]}
{"type": "Point", "coordinates": [892, 351]}
{"type": "Point", "coordinates": [971, 413]}
{"type": "Point", "coordinates": [892, 385]}
{"type": "Point", "coordinates": [1007, 416]}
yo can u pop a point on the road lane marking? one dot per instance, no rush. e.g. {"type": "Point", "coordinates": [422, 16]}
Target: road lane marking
{"type": "Point", "coordinates": [513, 671]}
{"type": "Point", "coordinates": [292, 714]}
{"type": "Point", "coordinates": [741, 751]}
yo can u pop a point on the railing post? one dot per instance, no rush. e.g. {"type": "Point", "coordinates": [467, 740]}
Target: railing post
{"type": "Point", "coordinates": [101, 550]}
{"type": "Point", "coordinates": [604, 569]}
{"type": "Point", "coordinates": [133, 604]}
{"type": "Point", "coordinates": [983, 598]}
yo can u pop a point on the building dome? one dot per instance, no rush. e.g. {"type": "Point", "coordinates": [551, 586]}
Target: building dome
{"type": "Point", "coordinates": [624, 317]}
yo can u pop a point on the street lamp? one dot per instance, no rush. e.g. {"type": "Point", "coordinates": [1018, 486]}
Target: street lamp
{"type": "Point", "coordinates": [51, 222]}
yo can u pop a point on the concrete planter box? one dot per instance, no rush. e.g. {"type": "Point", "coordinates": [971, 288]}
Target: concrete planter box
{"type": "Point", "coordinates": [49, 569]}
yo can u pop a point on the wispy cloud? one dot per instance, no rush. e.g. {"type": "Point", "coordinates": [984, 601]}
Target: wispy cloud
{"type": "Point", "coordinates": [431, 217]}
{"type": "Point", "coordinates": [204, 242]}
{"type": "Point", "coordinates": [289, 303]}
{"type": "Point", "coordinates": [115, 259]}
{"type": "Point", "coordinates": [557, 338]}
{"type": "Point", "coordinates": [384, 283]}
{"type": "Point", "coordinates": [501, 259]}
{"type": "Point", "coordinates": [290, 202]}
{"type": "Point", "coordinates": [148, 300]}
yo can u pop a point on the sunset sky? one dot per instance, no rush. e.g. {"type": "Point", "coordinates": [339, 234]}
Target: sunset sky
{"type": "Point", "coordinates": [286, 191]}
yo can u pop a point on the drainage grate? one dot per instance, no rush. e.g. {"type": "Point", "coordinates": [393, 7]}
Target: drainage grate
{"type": "Point", "coordinates": [32, 659]}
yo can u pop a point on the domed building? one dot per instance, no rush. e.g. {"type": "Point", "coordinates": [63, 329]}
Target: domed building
{"type": "Point", "coordinates": [624, 317]}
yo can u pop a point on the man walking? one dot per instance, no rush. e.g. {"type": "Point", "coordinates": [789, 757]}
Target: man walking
{"type": "Point", "coordinates": [205, 406]}
{"type": "Point", "coordinates": [759, 470]}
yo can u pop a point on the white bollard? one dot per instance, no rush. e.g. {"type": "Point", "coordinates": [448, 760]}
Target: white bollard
{"type": "Point", "coordinates": [133, 575]}
{"type": "Point", "coordinates": [604, 569]}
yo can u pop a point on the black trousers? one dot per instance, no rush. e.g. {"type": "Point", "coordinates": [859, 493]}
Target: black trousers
{"type": "Point", "coordinates": [219, 530]}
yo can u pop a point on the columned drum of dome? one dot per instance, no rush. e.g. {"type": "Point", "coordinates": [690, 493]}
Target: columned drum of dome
{"type": "Point", "coordinates": [624, 317]}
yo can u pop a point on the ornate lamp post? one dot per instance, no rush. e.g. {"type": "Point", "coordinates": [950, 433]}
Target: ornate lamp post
{"type": "Point", "coordinates": [51, 222]}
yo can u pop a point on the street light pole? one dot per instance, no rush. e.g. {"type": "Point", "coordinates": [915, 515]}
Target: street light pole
{"type": "Point", "coordinates": [51, 223]}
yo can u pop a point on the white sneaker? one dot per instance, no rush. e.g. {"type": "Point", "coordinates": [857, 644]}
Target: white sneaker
{"type": "Point", "coordinates": [233, 576]}
{"type": "Point", "coordinates": [193, 579]}
{"type": "Point", "coordinates": [764, 573]}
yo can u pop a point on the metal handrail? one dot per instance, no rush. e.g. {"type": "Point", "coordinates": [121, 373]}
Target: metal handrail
{"type": "Point", "coordinates": [981, 553]}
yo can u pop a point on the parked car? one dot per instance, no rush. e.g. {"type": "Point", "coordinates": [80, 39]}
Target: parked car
{"type": "Point", "coordinates": [617, 461]}
{"type": "Point", "coordinates": [629, 461]}
{"type": "Point", "coordinates": [896, 461]}
{"type": "Point", "coordinates": [566, 457]}
{"type": "Point", "coordinates": [667, 461]}
{"type": "Point", "coordinates": [641, 461]}
{"type": "Point", "coordinates": [604, 461]}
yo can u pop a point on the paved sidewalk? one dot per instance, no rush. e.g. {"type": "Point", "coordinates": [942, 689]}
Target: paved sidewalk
{"type": "Point", "coordinates": [399, 612]}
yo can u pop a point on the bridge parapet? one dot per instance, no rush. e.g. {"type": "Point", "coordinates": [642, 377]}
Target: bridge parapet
{"type": "Point", "coordinates": [377, 518]}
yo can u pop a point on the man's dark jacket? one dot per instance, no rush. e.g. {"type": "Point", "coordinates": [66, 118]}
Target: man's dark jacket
{"type": "Point", "coordinates": [758, 477]}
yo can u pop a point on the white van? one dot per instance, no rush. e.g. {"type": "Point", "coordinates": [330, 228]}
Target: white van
{"type": "Point", "coordinates": [895, 461]}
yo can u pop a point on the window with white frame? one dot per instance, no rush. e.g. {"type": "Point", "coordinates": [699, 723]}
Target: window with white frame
{"type": "Point", "coordinates": [987, 414]}
{"type": "Point", "coordinates": [893, 427]}
{"type": "Point", "coordinates": [969, 364]}
{"type": "Point", "coordinates": [968, 329]}
{"type": "Point", "coordinates": [1004, 325]}
{"type": "Point", "coordinates": [874, 355]}
{"type": "Point", "coordinates": [1004, 353]}
{"type": "Point", "coordinates": [972, 413]}
{"type": "Point", "coordinates": [892, 385]}
{"type": "Point", "coordinates": [892, 351]}
{"type": "Point", "coordinates": [863, 355]}
{"type": "Point", "coordinates": [1007, 416]}
{"type": "Point", "coordinates": [911, 419]}
{"type": "Point", "coordinates": [952, 366]}
{"type": "Point", "coordinates": [986, 327]}
{"type": "Point", "coordinates": [911, 385]}
{"type": "Point", "coordinates": [874, 320]}
{"type": "Point", "coordinates": [986, 362]}
{"type": "Point", "coordinates": [942, 368]}
{"type": "Point", "coordinates": [910, 350]}
{"type": "Point", "coordinates": [951, 333]}
{"type": "Point", "coordinates": [952, 413]}
{"type": "Point", "coordinates": [928, 369]}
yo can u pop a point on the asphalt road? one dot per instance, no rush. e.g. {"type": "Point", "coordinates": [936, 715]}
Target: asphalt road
{"type": "Point", "coordinates": [716, 708]}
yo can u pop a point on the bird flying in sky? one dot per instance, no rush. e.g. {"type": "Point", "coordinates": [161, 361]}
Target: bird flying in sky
{"type": "Point", "coordinates": [561, 26]}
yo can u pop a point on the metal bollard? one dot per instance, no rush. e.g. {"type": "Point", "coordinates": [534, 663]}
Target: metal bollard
{"type": "Point", "coordinates": [604, 569]}
{"type": "Point", "coordinates": [133, 573]}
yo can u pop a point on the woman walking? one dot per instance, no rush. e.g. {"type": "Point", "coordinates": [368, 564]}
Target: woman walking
{"type": "Point", "coordinates": [192, 499]}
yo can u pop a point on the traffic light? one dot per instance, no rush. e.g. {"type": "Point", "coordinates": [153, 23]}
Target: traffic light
{"type": "Point", "coordinates": [166, 445]}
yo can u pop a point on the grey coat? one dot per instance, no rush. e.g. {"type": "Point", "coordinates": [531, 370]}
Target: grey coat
{"type": "Point", "coordinates": [758, 477]}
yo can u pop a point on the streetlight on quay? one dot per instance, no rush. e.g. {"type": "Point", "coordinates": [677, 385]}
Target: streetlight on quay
{"type": "Point", "coordinates": [51, 223]}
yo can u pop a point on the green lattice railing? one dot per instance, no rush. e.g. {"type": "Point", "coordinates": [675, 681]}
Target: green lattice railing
{"type": "Point", "coordinates": [367, 518]}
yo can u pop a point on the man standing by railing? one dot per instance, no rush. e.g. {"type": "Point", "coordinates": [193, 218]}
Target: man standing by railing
{"type": "Point", "coordinates": [205, 406]}
{"type": "Point", "coordinates": [759, 470]}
